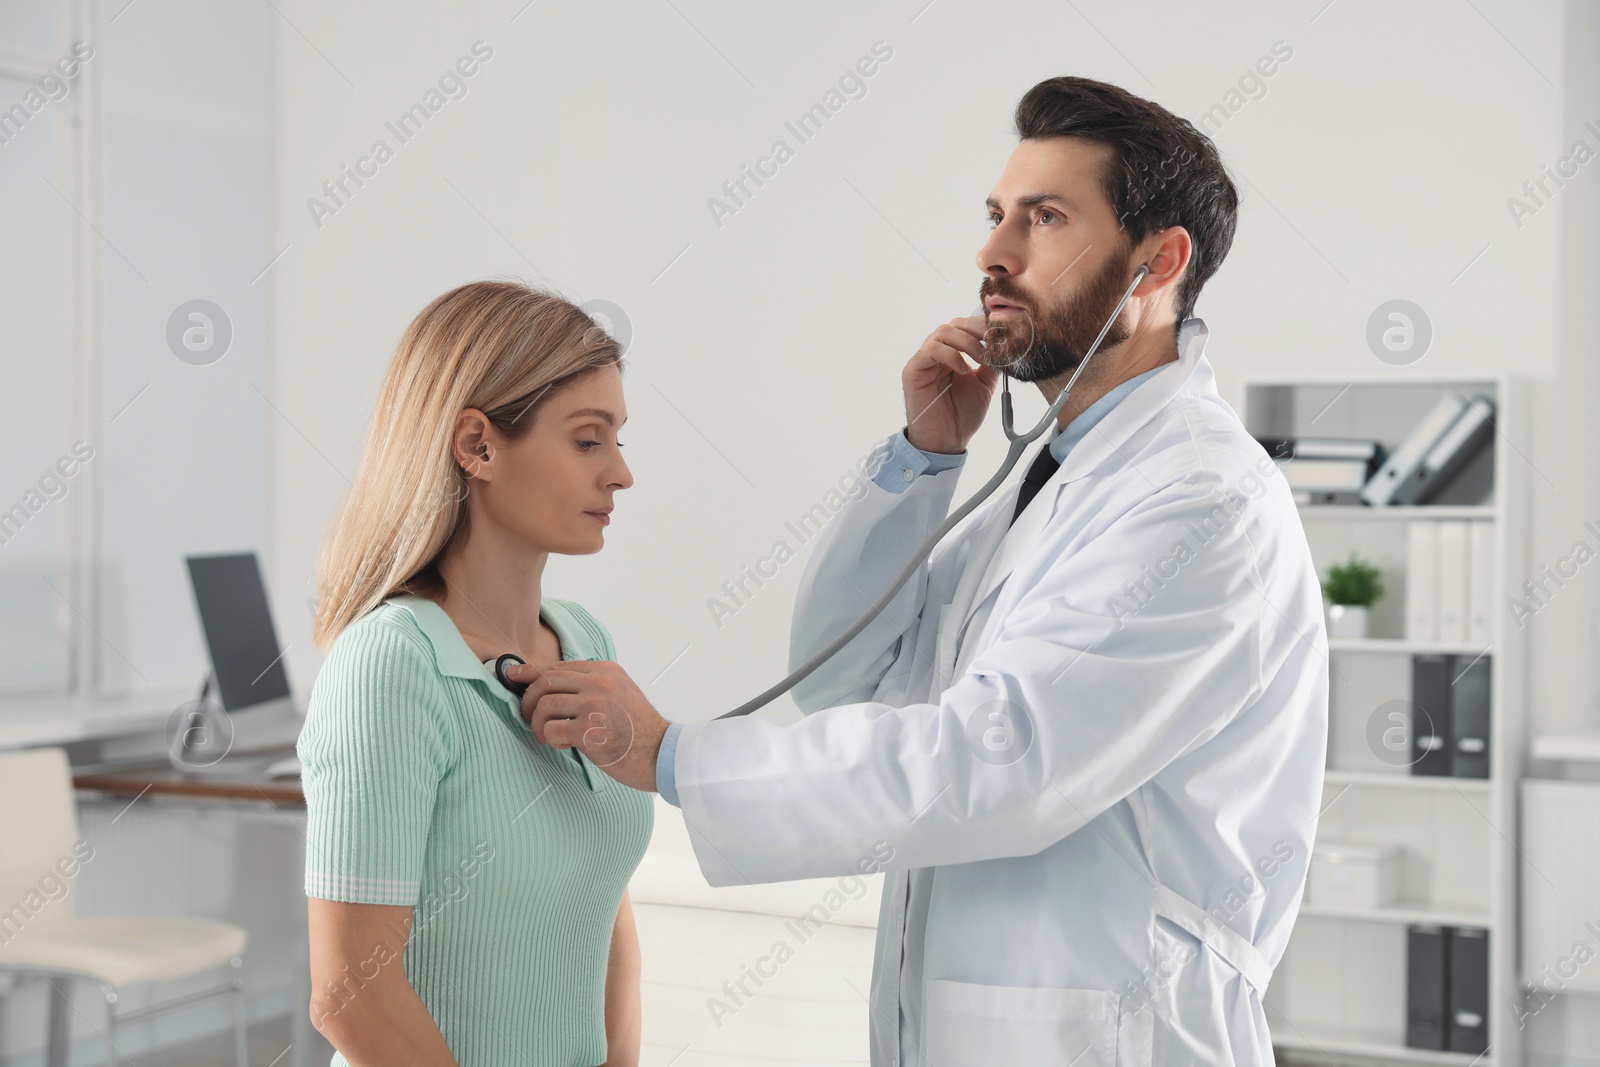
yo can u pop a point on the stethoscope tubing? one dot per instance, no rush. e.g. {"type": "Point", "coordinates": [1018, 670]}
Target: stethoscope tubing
{"type": "Point", "coordinates": [1019, 443]}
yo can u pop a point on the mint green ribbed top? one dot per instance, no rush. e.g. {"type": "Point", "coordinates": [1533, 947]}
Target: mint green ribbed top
{"type": "Point", "coordinates": [424, 787]}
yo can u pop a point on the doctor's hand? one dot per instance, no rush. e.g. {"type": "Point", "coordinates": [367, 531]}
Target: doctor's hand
{"type": "Point", "coordinates": [945, 399]}
{"type": "Point", "coordinates": [593, 706]}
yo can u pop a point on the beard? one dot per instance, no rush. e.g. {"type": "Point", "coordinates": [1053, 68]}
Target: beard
{"type": "Point", "coordinates": [1048, 342]}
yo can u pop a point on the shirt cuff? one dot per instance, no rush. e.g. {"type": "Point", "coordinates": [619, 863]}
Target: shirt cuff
{"type": "Point", "coordinates": [905, 461]}
{"type": "Point", "coordinates": [666, 770]}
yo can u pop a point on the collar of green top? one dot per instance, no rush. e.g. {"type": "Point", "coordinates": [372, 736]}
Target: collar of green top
{"type": "Point", "coordinates": [454, 657]}
{"type": "Point", "coordinates": [450, 650]}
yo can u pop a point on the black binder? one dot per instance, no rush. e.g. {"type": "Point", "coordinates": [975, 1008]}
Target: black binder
{"type": "Point", "coordinates": [1430, 719]}
{"type": "Point", "coordinates": [1469, 719]}
{"type": "Point", "coordinates": [1440, 446]}
{"type": "Point", "coordinates": [1427, 987]}
{"type": "Point", "coordinates": [1469, 989]}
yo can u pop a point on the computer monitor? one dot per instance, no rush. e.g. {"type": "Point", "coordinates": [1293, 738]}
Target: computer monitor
{"type": "Point", "coordinates": [247, 666]}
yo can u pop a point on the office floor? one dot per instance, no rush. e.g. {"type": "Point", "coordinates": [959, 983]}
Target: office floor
{"type": "Point", "coordinates": [269, 1047]}
{"type": "Point", "coordinates": [810, 1009]}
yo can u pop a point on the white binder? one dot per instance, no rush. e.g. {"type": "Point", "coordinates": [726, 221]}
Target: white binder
{"type": "Point", "coordinates": [1422, 581]}
{"type": "Point", "coordinates": [1480, 596]}
{"type": "Point", "coordinates": [1453, 579]}
{"type": "Point", "coordinates": [1398, 480]}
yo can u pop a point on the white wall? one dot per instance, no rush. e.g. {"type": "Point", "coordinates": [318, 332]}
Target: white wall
{"type": "Point", "coordinates": [178, 143]}
{"type": "Point", "coordinates": [182, 464]}
{"type": "Point", "coordinates": [767, 351]}
{"type": "Point", "coordinates": [766, 358]}
{"type": "Point", "coordinates": [1565, 632]}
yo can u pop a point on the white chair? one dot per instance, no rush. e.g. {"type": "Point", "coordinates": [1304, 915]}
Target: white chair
{"type": "Point", "coordinates": [41, 937]}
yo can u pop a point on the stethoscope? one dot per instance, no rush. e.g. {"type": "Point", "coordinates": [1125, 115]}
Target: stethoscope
{"type": "Point", "coordinates": [498, 667]}
{"type": "Point", "coordinates": [1019, 443]}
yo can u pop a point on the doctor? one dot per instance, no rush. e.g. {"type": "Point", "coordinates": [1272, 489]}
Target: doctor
{"type": "Point", "coordinates": [1087, 741]}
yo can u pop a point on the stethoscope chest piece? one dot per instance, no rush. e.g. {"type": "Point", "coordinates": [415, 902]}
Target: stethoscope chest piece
{"type": "Point", "coordinates": [498, 667]}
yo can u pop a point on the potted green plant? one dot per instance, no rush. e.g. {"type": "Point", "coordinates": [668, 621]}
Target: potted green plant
{"type": "Point", "coordinates": [1351, 589]}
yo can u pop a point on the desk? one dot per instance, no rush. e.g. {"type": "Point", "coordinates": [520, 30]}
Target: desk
{"type": "Point", "coordinates": [26, 721]}
{"type": "Point", "coordinates": [160, 778]}
{"type": "Point", "coordinates": [163, 778]}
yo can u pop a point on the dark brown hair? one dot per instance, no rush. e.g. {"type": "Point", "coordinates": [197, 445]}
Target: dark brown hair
{"type": "Point", "coordinates": [1162, 171]}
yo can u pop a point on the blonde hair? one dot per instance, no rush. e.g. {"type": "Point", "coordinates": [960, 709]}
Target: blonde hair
{"type": "Point", "coordinates": [501, 347]}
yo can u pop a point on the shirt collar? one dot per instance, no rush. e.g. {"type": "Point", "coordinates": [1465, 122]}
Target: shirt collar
{"type": "Point", "coordinates": [455, 657]}
{"type": "Point", "coordinates": [1192, 334]}
{"type": "Point", "coordinates": [451, 654]}
{"type": "Point", "coordinates": [1086, 419]}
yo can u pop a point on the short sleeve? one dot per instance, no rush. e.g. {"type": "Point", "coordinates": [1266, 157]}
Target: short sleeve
{"type": "Point", "coordinates": [375, 744]}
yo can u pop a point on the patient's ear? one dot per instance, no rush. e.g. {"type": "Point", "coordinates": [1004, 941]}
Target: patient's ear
{"type": "Point", "coordinates": [470, 444]}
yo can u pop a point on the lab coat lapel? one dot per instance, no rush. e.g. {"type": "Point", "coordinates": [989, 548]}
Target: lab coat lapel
{"type": "Point", "coordinates": [985, 540]}
{"type": "Point", "coordinates": [1012, 542]}
{"type": "Point", "coordinates": [1107, 438]}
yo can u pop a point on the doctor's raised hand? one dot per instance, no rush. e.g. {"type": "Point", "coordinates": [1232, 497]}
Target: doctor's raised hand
{"type": "Point", "coordinates": [946, 399]}
{"type": "Point", "coordinates": [593, 706]}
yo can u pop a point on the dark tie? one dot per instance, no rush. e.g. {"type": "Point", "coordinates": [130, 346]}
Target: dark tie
{"type": "Point", "coordinates": [1044, 465]}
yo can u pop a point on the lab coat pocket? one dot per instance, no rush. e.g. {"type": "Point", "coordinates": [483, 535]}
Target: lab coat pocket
{"type": "Point", "coordinates": [968, 1025]}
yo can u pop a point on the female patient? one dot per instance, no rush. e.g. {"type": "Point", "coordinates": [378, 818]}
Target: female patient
{"type": "Point", "coordinates": [467, 884]}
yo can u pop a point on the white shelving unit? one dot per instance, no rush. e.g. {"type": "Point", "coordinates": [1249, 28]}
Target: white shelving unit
{"type": "Point", "coordinates": [1338, 997]}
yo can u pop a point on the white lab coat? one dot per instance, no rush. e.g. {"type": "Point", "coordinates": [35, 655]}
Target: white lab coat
{"type": "Point", "coordinates": [1106, 872]}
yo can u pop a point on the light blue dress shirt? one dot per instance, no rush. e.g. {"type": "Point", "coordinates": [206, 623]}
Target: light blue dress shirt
{"type": "Point", "coordinates": [904, 464]}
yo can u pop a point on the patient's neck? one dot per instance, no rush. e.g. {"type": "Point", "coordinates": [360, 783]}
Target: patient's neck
{"type": "Point", "coordinates": [492, 590]}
